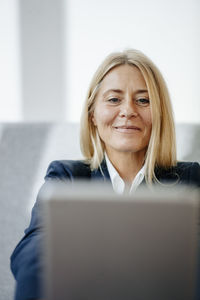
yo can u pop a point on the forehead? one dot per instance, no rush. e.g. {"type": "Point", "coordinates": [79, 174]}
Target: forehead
{"type": "Point", "coordinates": [122, 76]}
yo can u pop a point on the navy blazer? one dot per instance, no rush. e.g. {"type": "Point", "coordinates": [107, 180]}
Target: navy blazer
{"type": "Point", "coordinates": [26, 260]}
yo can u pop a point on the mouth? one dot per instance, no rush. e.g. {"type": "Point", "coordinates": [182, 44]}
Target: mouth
{"type": "Point", "coordinates": [127, 129]}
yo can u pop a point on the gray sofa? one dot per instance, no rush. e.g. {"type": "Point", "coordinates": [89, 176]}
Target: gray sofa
{"type": "Point", "coordinates": [26, 149]}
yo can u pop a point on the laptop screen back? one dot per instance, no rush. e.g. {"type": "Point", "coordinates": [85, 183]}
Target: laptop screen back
{"type": "Point", "coordinates": [101, 246]}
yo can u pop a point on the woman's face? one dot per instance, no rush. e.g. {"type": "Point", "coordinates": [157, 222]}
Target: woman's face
{"type": "Point", "coordinates": [122, 112]}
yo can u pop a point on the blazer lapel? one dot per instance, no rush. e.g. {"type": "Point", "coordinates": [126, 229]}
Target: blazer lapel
{"type": "Point", "coordinates": [101, 173]}
{"type": "Point", "coordinates": [167, 176]}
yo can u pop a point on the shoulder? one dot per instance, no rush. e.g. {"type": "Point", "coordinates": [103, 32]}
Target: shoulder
{"type": "Point", "coordinates": [190, 169]}
{"type": "Point", "coordinates": [184, 173]}
{"type": "Point", "coordinates": [68, 170]}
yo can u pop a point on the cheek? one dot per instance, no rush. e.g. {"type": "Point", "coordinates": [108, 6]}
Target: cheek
{"type": "Point", "coordinates": [147, 119]}
{"type": "Point", "coordinates": [103, 116]}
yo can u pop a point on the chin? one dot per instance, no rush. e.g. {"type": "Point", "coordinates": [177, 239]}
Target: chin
{"type": "Point", "coordinates": [130, 149]}
{"type": "Point", "coordinates": [126, 146]}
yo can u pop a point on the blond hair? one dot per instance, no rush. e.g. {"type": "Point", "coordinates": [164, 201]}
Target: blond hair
{"type": "Point", "coordinates": [161, 150]}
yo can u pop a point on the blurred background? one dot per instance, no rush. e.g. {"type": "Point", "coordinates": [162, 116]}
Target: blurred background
{"type": "Point", "coordinates": [49, 50]}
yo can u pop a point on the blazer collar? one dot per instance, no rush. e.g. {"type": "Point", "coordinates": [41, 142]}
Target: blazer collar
{"type": "Point", "coordinates": [164, 175]}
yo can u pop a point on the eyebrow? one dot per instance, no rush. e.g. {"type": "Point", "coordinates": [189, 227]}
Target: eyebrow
{"type": "Point", "coordinates": [139, 91]}
{"type": "Point", "coordinates": [112, 90]}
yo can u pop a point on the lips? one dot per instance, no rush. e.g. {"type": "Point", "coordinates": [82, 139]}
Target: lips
{"type": "Point", "coordinates": [127, 128]}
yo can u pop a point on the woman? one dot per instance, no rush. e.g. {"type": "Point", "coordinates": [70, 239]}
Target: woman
{"type": "Point", "coordinates": [127, 137]}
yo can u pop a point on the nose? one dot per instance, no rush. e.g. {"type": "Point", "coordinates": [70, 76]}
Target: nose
{"type": "Point", "coordinates": [128, 109]}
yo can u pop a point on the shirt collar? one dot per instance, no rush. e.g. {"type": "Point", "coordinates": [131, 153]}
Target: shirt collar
{"type": "Point", "coordinates": [118, 183]}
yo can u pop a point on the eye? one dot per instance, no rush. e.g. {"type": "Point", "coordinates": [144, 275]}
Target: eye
{"type": "Point", "coordinates": [114, 100]}
{"type": "Point", "coordinates": [142, 102]}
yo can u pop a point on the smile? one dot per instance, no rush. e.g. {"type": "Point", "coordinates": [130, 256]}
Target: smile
{"type": "Point", "coordinates": [127, 129]}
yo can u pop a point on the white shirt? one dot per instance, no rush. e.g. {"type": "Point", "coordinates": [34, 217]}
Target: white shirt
{"type": "Point", "coordinates": [118, 183]}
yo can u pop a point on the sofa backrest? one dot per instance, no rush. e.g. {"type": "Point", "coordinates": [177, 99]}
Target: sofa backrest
{"type": "Point", "coordinates": [26, 149]}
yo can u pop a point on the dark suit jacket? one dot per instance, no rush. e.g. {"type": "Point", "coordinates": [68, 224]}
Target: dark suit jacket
{"type": "Point", "coordinates": [26, 260]}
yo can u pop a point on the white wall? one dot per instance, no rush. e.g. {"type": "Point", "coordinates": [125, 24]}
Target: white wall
{"type": "Point", "coordinates": [10, 80]}
{"type": "Point", "coordinates": [167, 31]}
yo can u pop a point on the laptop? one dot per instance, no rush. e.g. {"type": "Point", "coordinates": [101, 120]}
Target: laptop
{"type": "Point", "coordinates": [103, 246]}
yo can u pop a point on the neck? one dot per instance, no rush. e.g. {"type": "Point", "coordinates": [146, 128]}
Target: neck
{"type": "Point", "coordinates": [127, 164]}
